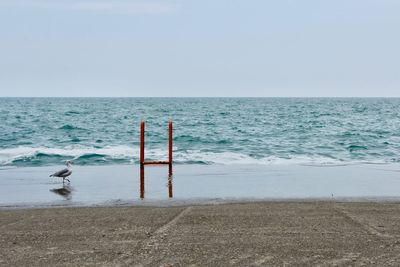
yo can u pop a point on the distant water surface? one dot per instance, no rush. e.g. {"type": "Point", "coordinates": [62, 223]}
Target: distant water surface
{"type": "Point", "coordinates": [93, 131]}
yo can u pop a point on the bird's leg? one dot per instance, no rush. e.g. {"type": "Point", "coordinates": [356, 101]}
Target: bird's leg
{"type": "Point", "coordinates": [67, 180]}
{"type": "Point", "coordinates": [63, 180]}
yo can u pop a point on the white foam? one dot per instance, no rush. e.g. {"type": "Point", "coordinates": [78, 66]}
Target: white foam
{"type": "Point", "coordinates": [7, 156]}
{"type": "Point", "coordinates": [227, 158]}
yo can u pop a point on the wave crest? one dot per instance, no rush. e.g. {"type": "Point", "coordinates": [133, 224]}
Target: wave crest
{"type": "Point", "coordinates": [69, 127]}
{"type": "Point", "coordinates": [87, 155]}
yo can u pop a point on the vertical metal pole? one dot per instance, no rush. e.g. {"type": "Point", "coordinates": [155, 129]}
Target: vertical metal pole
{"type": "Point", "coordinates": [142, 159]}
{"type": "Point", "coordinates": [170, 143]}
{"type": "Point", "coordinates": [142, 142]}
{"type": "Point", "coordinates": [170, 136]}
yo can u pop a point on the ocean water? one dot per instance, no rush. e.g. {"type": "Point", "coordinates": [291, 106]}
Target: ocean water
{"type": "Point", "coordinates": [101, 131]}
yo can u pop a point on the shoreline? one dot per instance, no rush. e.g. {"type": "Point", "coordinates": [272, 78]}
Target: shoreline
{"type": "Point", "coordinates": [120, 185]}
{"type": "Point", "coordinates": [202, 202]}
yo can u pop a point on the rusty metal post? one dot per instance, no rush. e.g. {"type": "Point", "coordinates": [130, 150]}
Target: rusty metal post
{"type": "Point", "coordinates": [170, 143]}
{"type": "Point", "coordinates": [142, 143]}
{"type": "Point", "coordinates": [142, 159]}
{"type": "Point", "coordinates": [170, 137]}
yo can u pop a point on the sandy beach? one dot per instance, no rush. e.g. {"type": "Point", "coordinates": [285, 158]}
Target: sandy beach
{"type": "Point", "coordinates": [252, 234]}
{"type": "Point", "coordinates": [246, 215]}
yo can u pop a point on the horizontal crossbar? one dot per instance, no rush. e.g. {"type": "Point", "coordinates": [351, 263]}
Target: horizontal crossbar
{"type": "Point", "coordinates": [155, 162]}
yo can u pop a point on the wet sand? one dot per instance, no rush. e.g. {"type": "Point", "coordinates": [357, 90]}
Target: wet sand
{"type": "Point", "coordinates": [248, 234]}
{"type": "Point", "coordinates": [116, 185]}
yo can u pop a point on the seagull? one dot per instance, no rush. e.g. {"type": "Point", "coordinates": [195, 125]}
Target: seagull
{"type": "Point", "coordinates": [65, 172]}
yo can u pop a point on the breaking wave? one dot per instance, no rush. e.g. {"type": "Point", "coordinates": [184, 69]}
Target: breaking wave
{"type": "Point", "coordinates": [85, 155]}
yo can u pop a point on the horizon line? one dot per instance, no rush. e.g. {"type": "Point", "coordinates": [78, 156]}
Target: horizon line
{"type": "Point", "coordinates": [200, 96]}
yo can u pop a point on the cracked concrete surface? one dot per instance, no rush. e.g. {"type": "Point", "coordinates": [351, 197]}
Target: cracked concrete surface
{"type": "Point", "coordinates": [249, 234]}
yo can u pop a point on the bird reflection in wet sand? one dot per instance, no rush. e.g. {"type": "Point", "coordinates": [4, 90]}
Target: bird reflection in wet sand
{"type": "Point", "coordinates": [64, 191]}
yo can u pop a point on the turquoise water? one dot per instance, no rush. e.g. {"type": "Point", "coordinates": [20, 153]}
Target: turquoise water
{"type": "Point", "coordinates": [93, 131]}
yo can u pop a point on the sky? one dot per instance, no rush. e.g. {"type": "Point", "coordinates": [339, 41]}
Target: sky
{"type": "Point", "coordinates": [185, 48]}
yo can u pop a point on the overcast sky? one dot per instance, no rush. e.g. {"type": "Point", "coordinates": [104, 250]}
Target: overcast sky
{"type": "Point", "coordinates": [200, 48]}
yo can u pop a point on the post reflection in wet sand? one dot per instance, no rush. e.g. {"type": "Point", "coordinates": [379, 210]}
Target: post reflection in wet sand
{"type": "Point", "coordinates": [142, 181]}
{"type": "Point", "coordinates": [64, 191]}
{"type": "Point", "coordinates": [170, 175]}
{"type": "Point", "coordinates": [170, 193]}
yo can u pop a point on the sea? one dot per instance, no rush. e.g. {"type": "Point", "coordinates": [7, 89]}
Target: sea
{"type": "Point", "coordinates": [207, 131]}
